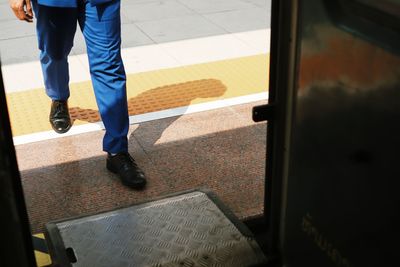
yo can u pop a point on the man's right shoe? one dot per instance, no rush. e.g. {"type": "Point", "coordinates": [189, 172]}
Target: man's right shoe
{"type": "Point", "coordinates": [59, 116]}
{"type": "Point", "coordinates": [127, 169]}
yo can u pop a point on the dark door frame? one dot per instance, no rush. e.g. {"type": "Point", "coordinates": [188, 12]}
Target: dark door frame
{"type": "Point", "coordinates": [278, 113]}
{"type": "Point", "coordinates": [16, 248]}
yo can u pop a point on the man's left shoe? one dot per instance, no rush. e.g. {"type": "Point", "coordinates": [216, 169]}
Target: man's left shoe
{"type": "Point", "coordinates": [127, 169]}
{"type": "Point", "coordinates": [59, 116]}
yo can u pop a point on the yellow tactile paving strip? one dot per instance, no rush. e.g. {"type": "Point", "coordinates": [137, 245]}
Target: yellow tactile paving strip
{"type": "Point", "coordinates": [148, 92]}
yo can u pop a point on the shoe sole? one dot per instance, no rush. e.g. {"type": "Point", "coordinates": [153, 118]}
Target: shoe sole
{"type": "Point", "coordinates": [115, 171]}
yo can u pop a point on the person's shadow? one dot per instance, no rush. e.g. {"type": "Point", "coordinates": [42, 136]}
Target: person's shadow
{"type": "Point", "coordinates": [159, 99]}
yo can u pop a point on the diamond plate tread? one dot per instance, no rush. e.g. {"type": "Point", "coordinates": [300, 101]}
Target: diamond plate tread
{"type": "Point", "coordinates": [185, 230]}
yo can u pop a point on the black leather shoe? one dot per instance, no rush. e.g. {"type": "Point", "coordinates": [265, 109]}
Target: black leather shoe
{"type": "Point", "coordinates": [127, 169]}
{"type": "Point", "coordinates": [59, 116]}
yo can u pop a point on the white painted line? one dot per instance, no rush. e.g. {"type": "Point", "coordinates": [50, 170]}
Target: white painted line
{"type": "Point", "coordinates": [91, 127]}
{"type": "Point", "coordinates": [260, 40]}
{"type": "Point", "coordinates": [41, 136]}
{"type": "Point", "coordinates": [149, 58]}
{"type": "Point", "coordinates": [221, 47]}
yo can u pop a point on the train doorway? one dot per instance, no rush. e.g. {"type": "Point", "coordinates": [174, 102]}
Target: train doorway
{"type": "Point", "coordinates": [331, 181]}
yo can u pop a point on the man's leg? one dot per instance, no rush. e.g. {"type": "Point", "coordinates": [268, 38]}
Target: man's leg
{"type": "Point", "coordinates": [101, 26]}
{"type": "Point", "coordinates": [55, 30]}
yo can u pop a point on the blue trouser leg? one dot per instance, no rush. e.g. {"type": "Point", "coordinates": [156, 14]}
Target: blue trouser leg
{"type": "Point", "coordinates": [55, 30]}
{"type": "Point", "coordinates": [101, 27]}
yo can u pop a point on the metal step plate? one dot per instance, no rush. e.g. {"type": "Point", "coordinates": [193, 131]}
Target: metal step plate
{"type": "Point", "coordinates": [191, 229]}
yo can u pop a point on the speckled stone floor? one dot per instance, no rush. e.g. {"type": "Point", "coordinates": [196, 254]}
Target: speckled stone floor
{"type": "Point", "coordinates": [221, 149]}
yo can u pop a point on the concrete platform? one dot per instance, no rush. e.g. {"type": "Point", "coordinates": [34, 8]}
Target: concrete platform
{"type": "Point", "coordinates": [146, 22]}
{"type": "Point", "coordinates": [220, 149]}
